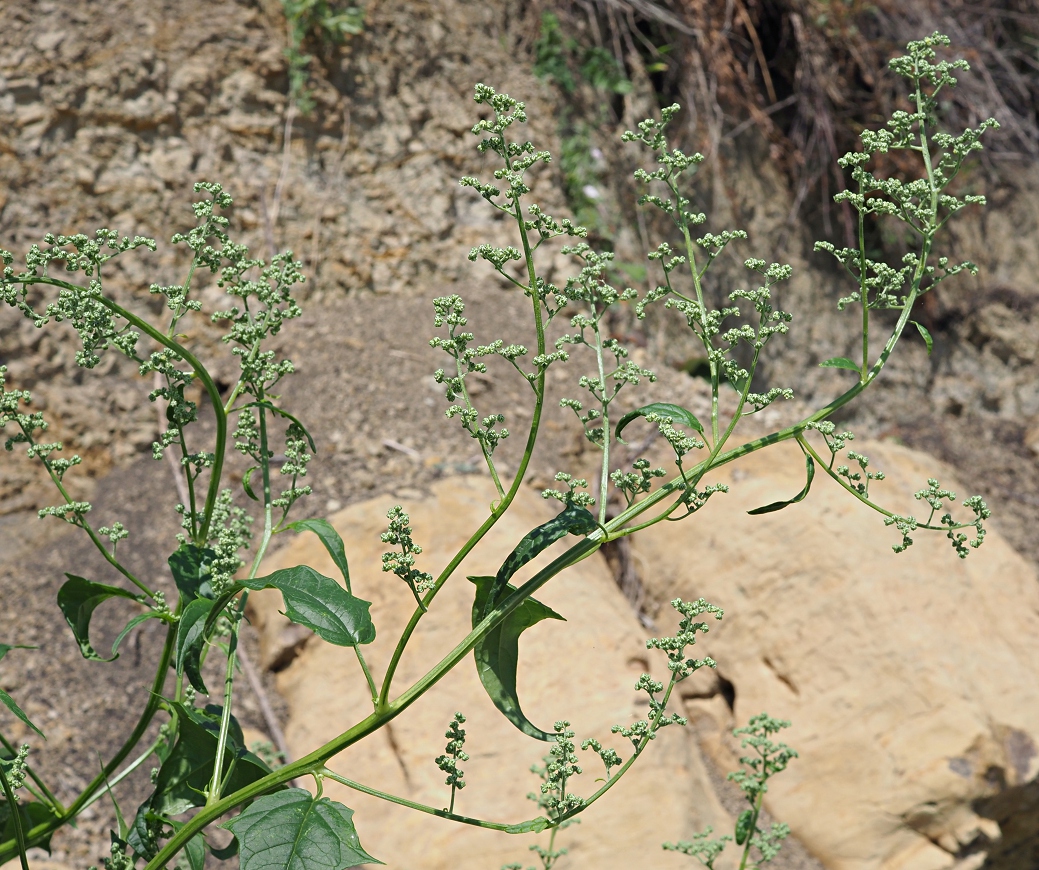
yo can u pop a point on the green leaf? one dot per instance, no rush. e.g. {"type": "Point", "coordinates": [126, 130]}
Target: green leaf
{"type": "Point", "coordinates": [190, 566]}
{"type": "Point", "coordinates": [321, 604]}
{"type": "Point", "coordinates": [841, 362]}
{"type": "Point", "coordinates": [291, 830]}
{"type": "Point", "coordinates": [31, 814]}
{"type": "Point", "coordinates": [130, 626]}
{"type": "Point", "coordinates": [287, 416]}
{"type": "Point", "coordinates": [191, 640]}
{"type": "Point", "coordinates": [572, 520]}
{"type": "Point", "coordinates": [78, 598]}
{"type": "Point", "coordinates": [497, 652]}
{"type": "Point", "coordinates": [10, 704]}
{"type": "Point", "coordinates": [925, 335]}
{"type": "Point", "coordinates": [187, 772]}
{"type": "Point", "coordinates": [664, 409]}
{"type": "Point", "coordinates": [245, 483]}
{"type": "Point", "coordinates": [5, 648]}
{"type": "Point", "coordinates": [779, 505]}
{"type": "Point", "coordinates": [330, 538]}
{"type": "Point", "coordinates": [743, 826]}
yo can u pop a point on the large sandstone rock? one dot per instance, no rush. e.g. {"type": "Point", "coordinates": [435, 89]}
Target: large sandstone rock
{"type": "Point", "coordinates": [583, 671]}
{"type": "Point", "coordinates": [912, 680]}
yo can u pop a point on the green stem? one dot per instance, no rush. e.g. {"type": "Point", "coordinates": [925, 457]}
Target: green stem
{"type": "Point", "coordinates": [316, 759]}
{"type": "Point", "coordinates": [215, 782]}
{"type": "Point", "coordinates": [498, 510]}
{"type": "Point", "coordinates": [423, 808]}
{"type": "Point", "coordinates": [84, 524]}
{"type": "Point", "coordinates": [16, 819]}
{"type": "Point", "coordinates": [690, 253]}
{"type": "Point", "coordinates": [200, 372]}
{"type": "Point", "coordinates": [123, 774]}
{"type": "Point", "coordinates": [604, 475]}
{"type": "Point", "coordinates": [43, 830]}
{"type": "Point", "coordinates": [752, 828]}
{"type": "Point", "coordinates": [51, 799]}
{"type": "Point", "coordinates": [863, 289]}
{"type": "Point", "coordinates": [368, 676]}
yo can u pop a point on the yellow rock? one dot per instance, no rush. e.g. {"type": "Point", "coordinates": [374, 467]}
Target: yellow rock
{"type": "Point", "coordinates": [584, 671]}
{"type": "Point", "coordinates": [912, 680]}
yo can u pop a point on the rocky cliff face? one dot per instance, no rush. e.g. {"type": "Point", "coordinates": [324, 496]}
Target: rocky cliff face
{"type": "Point", "coordinates": [108, 114]}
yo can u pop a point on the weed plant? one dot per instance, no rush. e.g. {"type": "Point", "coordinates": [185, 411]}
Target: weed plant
{"type": "Point", "coordinates": [204, 771]}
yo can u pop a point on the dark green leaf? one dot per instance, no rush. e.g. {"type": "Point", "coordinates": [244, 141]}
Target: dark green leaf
{"type": "Point", "coordinates": [331, 540]}
{"type": "Point", "coordinates": [78, 599]}
{"type": "Point", "coordinates": [291, 830]}
{"type": "Point", "coordinates": [10, 704]}
{"type": "Point", "coordinates": [194, 855]}
{"type": "Point", "coordinates": [143, 836]}
{"type": "Point", "coordinates": [245, 483]}
{"type": "Point", "coordinates": [130, 626]}
{"type": "Point", "coordinates": [925, 335]}
{"type": "Point", "coordinates": [321, 604]}
{"type": "Point", "coordinates": [191, 640]}
{"type": "Point", "coordinates": [571, 520]}
{"type": "Point", "coordinates": [187, 772]}
{"type": "Point", "coordinates": [497, 652]}
{"type": "Point", "coordinates": [5, 648]}
{"type": "Point", "coordinates": [228, 852]}
{"type": "Point", "coordinates": [190, 566]}
{"type": "Point", "coordinates": [30, 814]}
{"type": "Point", "coordinates": [663, 409]}
{"type": "Point", "coordinates": [743, 826]}
{"type": "Point", "coordinates": [840, 362]}
{"type": "Point", "coordinates": [779, 505]}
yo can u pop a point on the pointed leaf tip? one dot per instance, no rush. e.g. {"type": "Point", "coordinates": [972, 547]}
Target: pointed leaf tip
{"type": "Point", "coordinates": [291, 830]}
{"type": "Point", "coordinates": [664, 409]}
{"type": "Point", "coordinates": [497, 653]}
{"type": "Point", "coordinates": [840, 362]}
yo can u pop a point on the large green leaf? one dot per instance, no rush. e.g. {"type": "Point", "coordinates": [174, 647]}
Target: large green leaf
{"type": "Point", "coordinates": [30, 814]}
{"type": "Point", "coordinates": [663, 409]}
{"type": "Point", "coordinates": [191, 640]}
{"type": "Point", "coordinates": [291, 830]}
{"type": "Point", "coordinates": [321, 604]}
{"type": "Point", "coordinates": [331, 540]}
{"type": "Point", "coordinates": [190, 566]}
{"type": "Point", "coordinates": [78, 598]}
{"type": "Point", "coordinates": [572, 520]}
{"type": "Point", "coordinates": [186, 773]}
{"type": "Point", "coordinates": [497, 652]}
{"type": "Point", "coordinates": [779, 505]}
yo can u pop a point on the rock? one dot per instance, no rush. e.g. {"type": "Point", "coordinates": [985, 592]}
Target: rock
{"type": "Point", "coordinates": [584, 671]}
{"type": "Point", "coordinates": [912, 680]}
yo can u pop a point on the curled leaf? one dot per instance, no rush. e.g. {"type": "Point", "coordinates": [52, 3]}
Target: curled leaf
{"type": "Point", "coordinates": [331, 540]}
{"type": "Point", "coordinates": [497, 652]}
{"type": "Point", "coordinates": [663, 409]}
{"type": "Point", "coordinates": [78, 598]}
{"type": "Point", "coordinates": [779, 505]}
{"type": "Point", "coordinates": [191, 640]}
